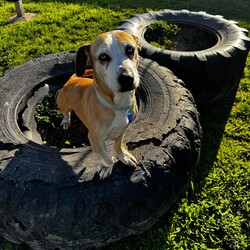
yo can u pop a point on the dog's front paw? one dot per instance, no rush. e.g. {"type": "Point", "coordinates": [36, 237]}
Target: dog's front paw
{"type": "Point", "coordinates": [128, 159]}
{"type": "Point", "coordinates": [66, 123]}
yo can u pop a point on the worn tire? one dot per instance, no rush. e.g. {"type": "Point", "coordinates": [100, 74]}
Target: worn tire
{"type": "Point", "coordinates": [51, 198]}
{"type": "Point", "coordinates": [211, 74]}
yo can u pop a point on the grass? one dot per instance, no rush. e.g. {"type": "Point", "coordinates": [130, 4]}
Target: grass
{"type": "Point", "coordinates": [215, 212]}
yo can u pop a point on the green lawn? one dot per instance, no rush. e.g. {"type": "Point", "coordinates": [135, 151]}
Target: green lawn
{"type": "Point", "coordinates": [215, 212]}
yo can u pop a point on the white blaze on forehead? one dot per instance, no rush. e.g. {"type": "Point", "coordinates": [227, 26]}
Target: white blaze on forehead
{"type": "Point", "coordinates": [115, 47]}
{"type": "Point", "coordinates": [112, 46]}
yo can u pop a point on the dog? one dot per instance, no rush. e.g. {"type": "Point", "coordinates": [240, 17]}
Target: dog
{"type": "Point", "coordinates": [105, 104]}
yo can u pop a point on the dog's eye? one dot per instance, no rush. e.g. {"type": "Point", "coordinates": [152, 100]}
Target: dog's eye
{"type": "Point", "coordinates": [104, 57]}
{"type": "Point", "coordinates": [129, 50]}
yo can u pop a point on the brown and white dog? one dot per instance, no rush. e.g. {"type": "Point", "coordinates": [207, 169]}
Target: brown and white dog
{"type": "Point", "coordinates": [106, 104]}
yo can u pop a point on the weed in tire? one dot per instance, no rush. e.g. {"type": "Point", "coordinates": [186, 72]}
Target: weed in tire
{"type": "Point", "coordinates": [48, 118]}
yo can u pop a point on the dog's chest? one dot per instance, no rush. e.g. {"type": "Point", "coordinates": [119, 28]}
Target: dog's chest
{"type": "Point", "coordinates": [118, 125]}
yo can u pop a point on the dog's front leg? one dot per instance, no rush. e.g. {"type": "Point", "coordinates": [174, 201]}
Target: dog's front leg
{"type": "Point", "coordinates": [123, 154]}
{"type": "Point", "coordinates": [107, 163]}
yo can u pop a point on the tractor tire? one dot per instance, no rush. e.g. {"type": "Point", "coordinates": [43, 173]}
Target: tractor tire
{"type": "Point", "coordinates": [52, 198]}
{"type": "Point", "coordinates": [213, 74]}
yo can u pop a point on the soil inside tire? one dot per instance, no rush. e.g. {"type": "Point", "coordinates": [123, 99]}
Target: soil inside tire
{"type": "Point", "coordinates": [48, 119]}
{"type": "Point", "coordinates": [179, 37]}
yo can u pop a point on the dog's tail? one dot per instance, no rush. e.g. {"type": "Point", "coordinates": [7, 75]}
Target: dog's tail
{"type": "Point", "coordinates": [57, 92]}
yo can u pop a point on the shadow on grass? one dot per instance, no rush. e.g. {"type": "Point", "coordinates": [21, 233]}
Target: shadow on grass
{"type": "Point", "coordinates": [213, 121]}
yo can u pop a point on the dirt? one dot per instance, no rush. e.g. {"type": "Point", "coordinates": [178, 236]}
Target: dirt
{"type": "Point", "coordinates": [179, 38]}
{"type": "Point", "coordinates": [192, 39]}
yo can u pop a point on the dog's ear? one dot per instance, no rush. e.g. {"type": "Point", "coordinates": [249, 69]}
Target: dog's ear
{"type": "Point", "coordinates": [83, 59]}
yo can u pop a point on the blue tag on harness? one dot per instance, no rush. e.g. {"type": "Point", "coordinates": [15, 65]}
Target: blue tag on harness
{"type": "Point", "coordinates": [130, 117]}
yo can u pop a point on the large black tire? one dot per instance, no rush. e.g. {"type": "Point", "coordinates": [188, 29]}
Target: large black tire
{"type": "Point", "coordinates": [51, 198]}
{"type": "Point", "coordinates": [212, 74]}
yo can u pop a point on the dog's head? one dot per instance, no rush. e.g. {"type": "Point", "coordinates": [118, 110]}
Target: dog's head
{"type": "Point", "coordinates": [114, 58]}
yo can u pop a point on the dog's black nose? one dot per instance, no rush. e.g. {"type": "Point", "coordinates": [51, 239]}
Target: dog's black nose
{"type": "Point", "coordinates": [126, 82]}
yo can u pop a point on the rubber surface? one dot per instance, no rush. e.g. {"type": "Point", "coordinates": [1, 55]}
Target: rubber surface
{"type": "Point", "coordinates": [212, 75]}
{"type": "Point", "coordinates": [51, 198]}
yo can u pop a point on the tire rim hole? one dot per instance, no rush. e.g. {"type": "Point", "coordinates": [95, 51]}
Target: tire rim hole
{"type": "Point", "coordinates": [179, 37]}
{"type": "Point", "coordinates": [39, 119]}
